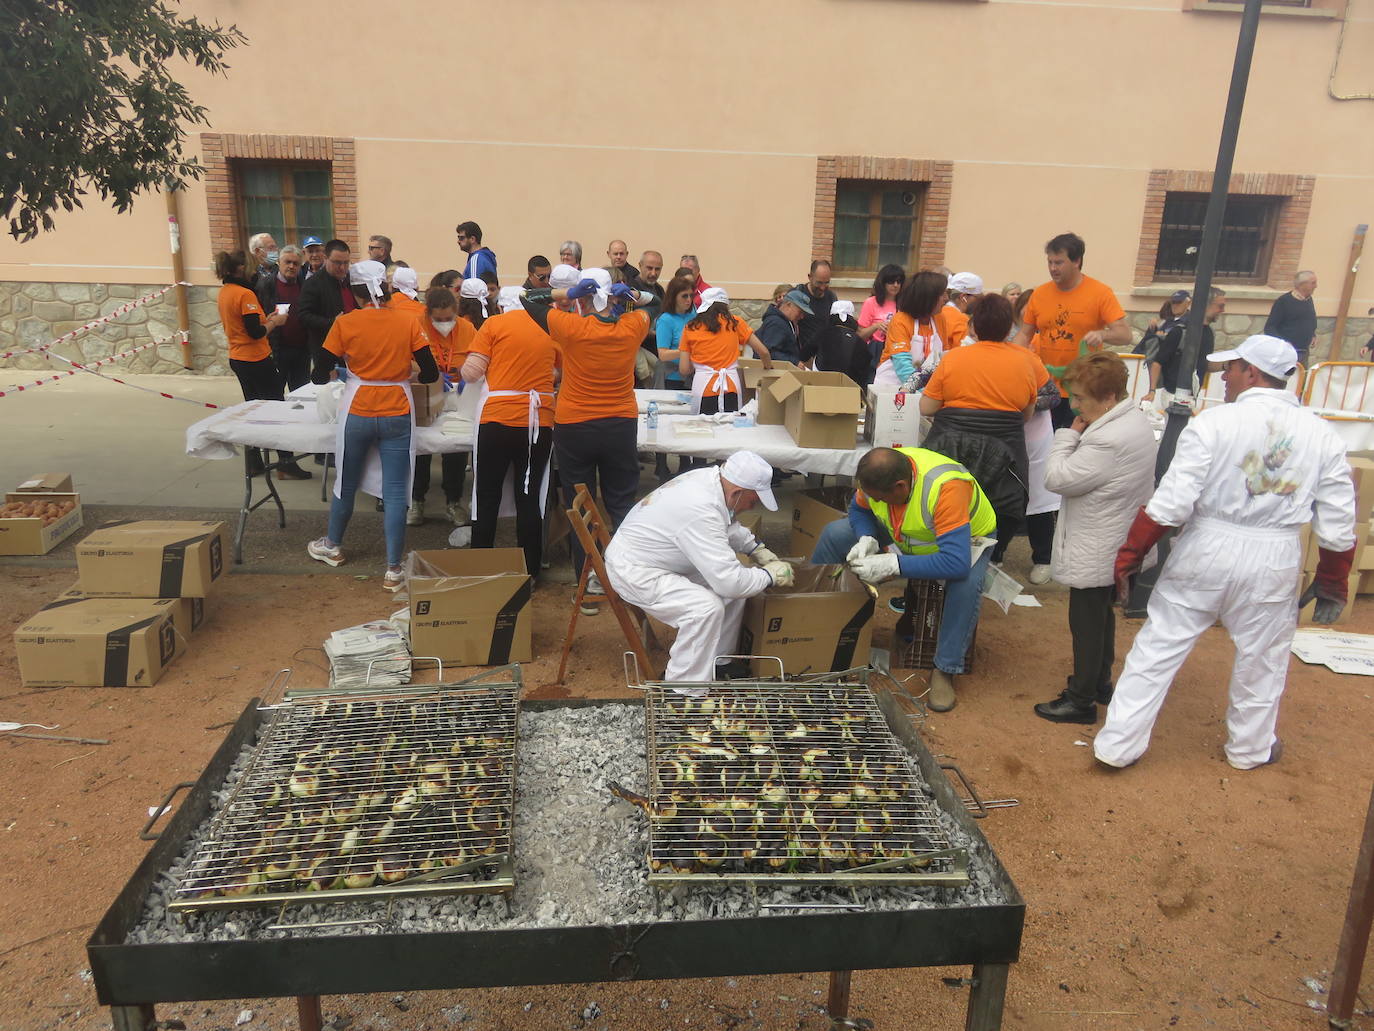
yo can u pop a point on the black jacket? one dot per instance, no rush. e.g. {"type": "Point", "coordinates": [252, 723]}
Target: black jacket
{"type": "Point", "coordinates": [811, 325]}
{"type": "Point", "coordinates": [320, 304]}
{"type": "Point", "coordinates": [779, 336]}
{"type": "Point", "coordinates": [991, 446]}
{"type": "Point", "coordinates": [839, 349]}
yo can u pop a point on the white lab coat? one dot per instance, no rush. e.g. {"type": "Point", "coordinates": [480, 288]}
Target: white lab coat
{"type": "Point", "coordinates": [1245, 478]}
{"type": "Point", "coordinates": [674, 557]}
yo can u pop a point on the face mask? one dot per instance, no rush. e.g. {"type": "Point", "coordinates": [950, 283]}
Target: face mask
{"type": "Point", "coordinates": [445, 327]}
{"type": "Point", "coordinates": [272, 256]}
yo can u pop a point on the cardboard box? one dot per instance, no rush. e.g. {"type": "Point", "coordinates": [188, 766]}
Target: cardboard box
{"type": "Point", "coordinates": [470, 607]}
{"type": "Point", "coordinates": [153, 558]}
{"type": "Point", "coordinates": [429, 401]}
{"type": "Point", "coordinates": [96, 642]}
{"type": "Point", "coordinates": [821, 623]}
{"type": "Point", "coordinates": [812, 511]}
{"type": "Point", "coordinates": [1362, 469]}
{"type": "Point", "coordinates": [188, 614]}
{"type": "Point", "coordinates": [892, 418]}
{"type": "Point", "coordinates": [1364, 550]}
{"type": "Point", "coordinates": [751, 371]}
{"type": "Point", "coordinates": [29, 536]}
{"type": "Point", "coordinates": [819, 408]}
{"type": "Point", "coordinates": [47, 483]}
{"type": "Point", "coordinates": [771, 412]}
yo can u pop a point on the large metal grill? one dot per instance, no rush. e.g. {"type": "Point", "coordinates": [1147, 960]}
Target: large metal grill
{"type": "Point", "coordinates": [787, 783]}
{"type": "Point", "coordinates": [349, 797]}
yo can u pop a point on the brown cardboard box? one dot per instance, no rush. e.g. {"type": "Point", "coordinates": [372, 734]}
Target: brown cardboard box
{"type": "Point", "coordinates": [812, 511]}
{"type": "Point", "coordinates": [751, 371]}
{"type": "Point", "coordinates": [892, 418]}
{"type": "Point", "coordinates": [821, 623]}
{"type": "Point", "coordinates": [47, 483]}
{"type": "Point", "coordinates": [153, 558]}
{"type": "Point", "coordinates": [819, 408]}
{"type": "Point", "coordinates": [771, 412]}
{"type": "Point", "coordinates": [30, 536]}
{"type": "Point", "coordinates": [97, 642]}
{"type": "Point", "coordinates": [188, 614]}
{"type": "Point", "coordinates": [470, 607]}
{"type": "Point", "coordinates": [1362, 469]}
{"type": "Point", "coordinates": [1364, 548]}
{"type": "Point", "coordinates": [429, 401]}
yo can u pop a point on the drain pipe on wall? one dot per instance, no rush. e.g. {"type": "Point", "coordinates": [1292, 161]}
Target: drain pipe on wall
{"type": "Point", "coordinates": [179, 275]}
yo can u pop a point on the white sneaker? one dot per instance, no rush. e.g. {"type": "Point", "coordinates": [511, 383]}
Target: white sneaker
{"type": "Point", "coordinates": [395, 578]}
{"type": "Point", "coordinates": [415, 514]}
{"type": "Point", "coordinates": [594, 590]}
{"type": "Point", "coordinates": [321, 550]}
{"type": "Point", "coordinates": [457, 512]}
{"type": "Point", "coordinates": [1039, 574]}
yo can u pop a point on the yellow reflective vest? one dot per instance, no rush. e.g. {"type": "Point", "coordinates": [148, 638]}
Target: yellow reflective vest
{"type": "Point", "coordinates": [916, 535]}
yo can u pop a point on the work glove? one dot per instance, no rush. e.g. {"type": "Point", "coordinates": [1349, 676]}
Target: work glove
{"type": "Point", "coordinates": [867, 546]}
{"type": "Point", "coordinates": [874, 569]}
{"type": "Point", "coordinates": [584, 288]}
{"type": "Point", "coordinates": [782, 573]}
{"type": "Point", "coordinates": [1329, 585]}
{"type": "Point", "coordinates": [1144, 535]}
{"type": "Point", "coordinates": [763, 556]}
{"type": "Point", "coordinates": [540, 295]}
{"type": "Point", "coordinates": [624, 292]}
{"type": "Point", "coordinates": [447, 377]}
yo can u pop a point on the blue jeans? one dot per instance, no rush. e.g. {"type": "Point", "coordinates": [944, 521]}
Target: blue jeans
{"type": "Point", "coordinates": [391, 436]}
{"type": "Point", "coordinates": [958, 619]}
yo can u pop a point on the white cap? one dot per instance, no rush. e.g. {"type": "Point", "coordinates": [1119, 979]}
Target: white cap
{"type": "Point", "coordinates": [405, 280]}
{"type": "Point", "coordinates": [564, 276]}
{"type": "Point", "coordinates": [844, 308]}
{"type": "Point", "coordinates": [370, 274]}
{"type": "Point", "coordinates": [1270, 355]}
{"type": "Point", "coordinates": [708, 298]}
{"type": "Point", "coordinates": [475, 289]}
{"type": "Point", "coordinates": [509, 298]}
{"type": "Point", "coordinates": [748, 470]}
{"type": "Point", "coordinates": [966, 283]}
{"type": "Point", "coordinates": [602, 297]}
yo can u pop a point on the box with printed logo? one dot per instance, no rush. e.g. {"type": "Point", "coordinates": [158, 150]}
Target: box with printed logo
{"type": "Point", "coordinates": [153, 558]}
{"type": "Point", "coordinates": [812, 511]}
{"type": "Point", "coordinates": [470, 607]}
{"type": "Point", "coordinates": [822, 623]}
{"type": "Point", "coordinates": [35, 523]}
{"type": "Point", "coordinates": [97, 642]}
{"type": "Point", "coordinates": [892, 418]}
{"type": "Point", "coordinates": [188, 614]}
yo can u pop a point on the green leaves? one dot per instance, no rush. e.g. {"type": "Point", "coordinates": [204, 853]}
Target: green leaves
{"type": "Point", "coordinates": [90, 104]}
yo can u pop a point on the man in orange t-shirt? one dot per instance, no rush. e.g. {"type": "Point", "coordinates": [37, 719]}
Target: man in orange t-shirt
{"type": "Point", "coordinates": [1072, 314]}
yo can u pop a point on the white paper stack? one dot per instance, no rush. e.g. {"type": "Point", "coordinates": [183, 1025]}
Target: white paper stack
{"type": "Point", "coordinates": [379, 645]}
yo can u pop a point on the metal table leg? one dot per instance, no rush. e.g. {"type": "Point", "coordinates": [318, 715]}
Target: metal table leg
{"type": "Point", "coordinates": [308, 1010]}
{"type": "Point", "coordinates": [837, 1005]}
{"type": "Point", "coordinates": [987, 997]}
{"type": "Point", "coordinates": [133, 1018]}
{"type": "Point", "coordinates": [249, 505]}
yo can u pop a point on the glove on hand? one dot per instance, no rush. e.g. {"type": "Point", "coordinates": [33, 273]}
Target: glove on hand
{"type": "Point", "coordinates": [447, 377]}
{"type": "Point", "coordinates": [783, 575]}
{"type": "Point", "coordinates": [876, 568]}
{"type": "Point", "coordinates": [1327, 611]}
{"type": "Point", "coordinates": [624, 291]}
{"type": "Point", "coordinates": [867, 546]}
{"type": "Point", "coordinates": [762, 556]}
{"type": "Point", "coordinates": [1329, 587]}
{"type": "Point", "coordinates": [584, 288]}
{"type": "Point", "coordinates": [540, 295]}
{"type": "Point", "coordinates": [1144, 535]}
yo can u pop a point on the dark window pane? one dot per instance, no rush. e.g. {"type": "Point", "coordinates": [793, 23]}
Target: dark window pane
{"type": "Point", "coordinates": [261, 181]}
{"type": "Point", "coordinates": [849, 200]}
{"type": "Point", "coordinates": [851, 242]}
{"type": "Point", "coordinates": [311, 182]}
{"type": "Point", "coordinates": [1242, 252]}
{"type": "Point", "coordinates": [876, 223]}
{"type": "Point", "coordinates": [899, 202]}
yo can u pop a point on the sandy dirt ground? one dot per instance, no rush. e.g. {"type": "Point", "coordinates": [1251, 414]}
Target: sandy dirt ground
{"type": "Point", "coordinates": [1179, 893]}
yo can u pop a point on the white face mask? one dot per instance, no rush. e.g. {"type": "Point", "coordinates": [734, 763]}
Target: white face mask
{"type": "Point", "coordinates": [445, 327]}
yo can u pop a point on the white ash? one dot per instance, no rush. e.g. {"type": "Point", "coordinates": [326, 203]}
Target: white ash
{"type": "Point", "coordinates": [580, 856]}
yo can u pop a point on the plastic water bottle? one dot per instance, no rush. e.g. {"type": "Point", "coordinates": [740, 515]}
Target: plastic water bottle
{"type": "Point", "coordinates": [651, 418]}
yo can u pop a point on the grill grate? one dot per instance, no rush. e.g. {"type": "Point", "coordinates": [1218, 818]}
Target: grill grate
{"type": "Point", "coordinates": [367, 796]}
{"type": "Point", "coordinates": [787, 784]}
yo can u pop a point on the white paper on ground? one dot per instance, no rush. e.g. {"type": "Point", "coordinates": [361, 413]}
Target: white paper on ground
{"type": "Point", "coordinates": [5, 728]}
{"type": "Point", "coordinates": [1000, 587]}
{"type": "Point", "coordinates": [1027, 601]}
{"type": "Point", "coordinates": [1338, 651]}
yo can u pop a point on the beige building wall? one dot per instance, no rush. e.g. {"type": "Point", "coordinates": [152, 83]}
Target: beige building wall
{"type": "Point", "coordinates": [698, 127]}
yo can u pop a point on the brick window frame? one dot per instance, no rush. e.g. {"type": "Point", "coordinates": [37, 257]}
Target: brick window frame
{"type": "Point", "coordinates": [938, 177]}
{"type": "Point", "coordinates": [1295, 190]}
{"type": "Point", "coordinates": [219, 151]}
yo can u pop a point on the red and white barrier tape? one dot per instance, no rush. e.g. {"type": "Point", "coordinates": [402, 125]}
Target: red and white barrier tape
{"type": "Point", "coordinates": [123, 309]}
{"type": "Point", "coordinates": [80, 367]}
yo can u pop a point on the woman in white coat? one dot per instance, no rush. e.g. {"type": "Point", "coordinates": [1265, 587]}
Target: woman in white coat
{"type": "Point", "coordinates": [1104, 468]}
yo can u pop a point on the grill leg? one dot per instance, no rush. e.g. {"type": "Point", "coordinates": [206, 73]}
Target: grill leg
{"type": "Point", "coordinates": [837, 1005]}
{"type": "Point", "coordinates": [308, 1007]}
{"type": "Point", "coordinates": [987, 997]}
{"type": "Point", "coordinates": [132, 1018]}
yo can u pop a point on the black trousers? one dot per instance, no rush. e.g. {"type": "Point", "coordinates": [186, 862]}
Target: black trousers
{"type": "Point", "coordinates": [454, 467]}
{"type": "Point", "coordinates": [1039, 529]}
{"type": "Point", "coordinates": [294, 365]}
{"type": "Point", "coordinates": [602, 454]}
{"type": "Point", "coordinates": [260, 381]}
{"type": "Point", "coordinates": [507, 448]}
{"type": "Point", "coordinates": [1093, 626]}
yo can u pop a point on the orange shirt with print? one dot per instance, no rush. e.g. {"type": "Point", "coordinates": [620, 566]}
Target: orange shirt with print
{"type": "Point", "coordinates": [719, 350]}
{"type": "Point", "coordinates": [234, 303]}
{"type": "Point", "coordinates": [377, 344]}
{"type": "Point", "coordinates": [1061, 318]}
{"type": "Point", "coordinates": [400, 302]}
{"type": "Point", "coordinates": [900, 334]}
{"type": "Point", "coordinates": [952, 325]}
{"type": "Point", "coordinates": [990, 376]}
{"type": "Point", "coordinates": [521, 357]}
{"type": "Point", "coordinates": [598, 364]}
{"type": "Point", "coordinates": [951, 506]}
{"type": "Point", "coordinates": [450, 351]}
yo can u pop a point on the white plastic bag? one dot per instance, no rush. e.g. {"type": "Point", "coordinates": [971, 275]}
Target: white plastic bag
{"type": "Point", "coordinates": [327, 401]}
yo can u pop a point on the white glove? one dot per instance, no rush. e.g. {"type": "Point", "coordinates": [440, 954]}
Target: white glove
{"type": "Point", "coordinates": [782, 573]}
{"type": "Point", "coordinates": [762, 556]}
{"type": "Point", "coordinates": [867, 546]}
{"type": "Point", "coordinates": [874, 569]}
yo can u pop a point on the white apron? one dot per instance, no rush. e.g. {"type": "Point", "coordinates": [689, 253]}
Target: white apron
{"type": "Point", "coordinates": [532, 424]}
{"type": "Point", "coordinates": [1039, 433]}
{"type": "Point", "coordinates": [886, 376]}
{"type": "Point", "coordinates": [371, 481]}
{"type": "Point", "coordinates": [705, 378]}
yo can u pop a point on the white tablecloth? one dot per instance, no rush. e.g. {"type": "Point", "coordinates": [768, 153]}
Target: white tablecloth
{"type": "Point", "coordinates": [773, 443]}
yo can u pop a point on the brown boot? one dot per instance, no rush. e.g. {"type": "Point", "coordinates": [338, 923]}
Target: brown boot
{"type": "Point", "coordinates": [941, 697]}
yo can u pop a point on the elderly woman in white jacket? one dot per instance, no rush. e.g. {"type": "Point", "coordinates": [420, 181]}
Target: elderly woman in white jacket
{"type": "Point", "coordinates": [1104, 467]}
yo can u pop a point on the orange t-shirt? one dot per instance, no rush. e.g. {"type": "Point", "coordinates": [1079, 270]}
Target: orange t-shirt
{"type": "Point", "coordinates": [522, 357]}
{"type": "Point", "coordinates": [234, 303]}
{"type": "Point", "coordinates": [719, 350]}
{"type": "Point", "coordinates": [1062, 317]}
{"type": "Point", "coordinates": [450, 351]}
{"type": "Point", "coordinates": [990, 376]}
{"type": "Point", "coordinates": [951, 506]}
{"type": "Point", "coordinates": [377, 344]}
{"type": "Point", "coordinates": [400, 302]}
{"type": "Point", "coordinates": [598, 364]}
{"type": "Point", "coordinates": [952, 325]}
{"type": "Point", "coordinates": [901, 333]}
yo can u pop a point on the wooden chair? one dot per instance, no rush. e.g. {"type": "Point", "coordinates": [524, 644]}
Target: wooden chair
{"type": "Point", "coordinates": [589, 522]}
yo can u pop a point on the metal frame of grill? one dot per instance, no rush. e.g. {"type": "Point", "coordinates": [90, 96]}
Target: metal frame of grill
{"type": "Point", "coordinates": [356, 795]}
{"type": "Point", "coordinates": [802, 782]}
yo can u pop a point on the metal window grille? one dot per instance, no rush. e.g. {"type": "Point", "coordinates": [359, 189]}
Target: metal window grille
{"type": "Point", "coordinates": [289, 201]}
{"type": "Point", "coordinates": [876, 223]}
{"type": "Point", "coordinates": [1247, 237]}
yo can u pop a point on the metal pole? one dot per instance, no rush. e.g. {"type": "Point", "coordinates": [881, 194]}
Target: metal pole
{"type": "Point", "coordinates": [1352, 269]}
{"type": "Point", "coordinates": [1359, 915]}
{"type": "Point", "coordinates": [1180, 410]}
{"type": "Point", "coordinates": [178, 274]}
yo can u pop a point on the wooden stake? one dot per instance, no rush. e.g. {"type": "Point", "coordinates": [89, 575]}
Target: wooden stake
{"type": "Point", "coordinates": [1352, 269]}
{"type": "Point", "coordinates": [1359, 915]}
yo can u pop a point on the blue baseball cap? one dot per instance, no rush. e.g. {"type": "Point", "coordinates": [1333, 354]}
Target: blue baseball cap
{"type": "Point", "coordinates": [312, 241]}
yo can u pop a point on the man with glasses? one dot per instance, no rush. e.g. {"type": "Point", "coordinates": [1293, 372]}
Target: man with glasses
{"type": "Point", "coordinates": [327, 296]}
{"type": "Point", "coordinates": [537, 271]}
{"type": "Point", "coordinates": [689, 261]}
{"type": "Point", "coordinates": [818, 292]}
{"type": "Point", "coordinates": [290, 346]}
{"type": "Point", "coordinates": [379, 249]}
{"type": "Point", "coordinates": [480, 259]}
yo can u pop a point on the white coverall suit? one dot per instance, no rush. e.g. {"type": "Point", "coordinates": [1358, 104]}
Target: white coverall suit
{"type": "Point", "coordinates": [1245, 478]}
{"type": "Point", "coordinates": [674, 557]}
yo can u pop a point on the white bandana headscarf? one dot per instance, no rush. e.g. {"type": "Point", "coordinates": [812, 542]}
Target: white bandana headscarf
{"type": "Point", "coordinates": [564, 276]}
{"type": "Point", "coordinates": [509, 298]}
{"type": "Point", "coordinates": [476, 289]}
{"type": "Point", "coordinates": [370, 274]}
{"type": "Point", "coordinates": [842, 308]}
{"type": "Point", "coordinates": [406, 281]}
{"type": "Point", "coordinates": [602, 297]}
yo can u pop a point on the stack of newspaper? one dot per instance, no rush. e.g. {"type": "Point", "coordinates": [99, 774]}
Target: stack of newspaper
{"type": "Point", "coordinates": [379, 646]}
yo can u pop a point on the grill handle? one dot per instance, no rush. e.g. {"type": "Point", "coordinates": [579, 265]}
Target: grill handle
{"type": "Point", "coordinates": [146, 833]}
{"type": "Point", "coordinates": [325, 923]}
{"type": "Point", "coordinates": [981, 812]}
{"type": "Point", "coordinates": [782, 673]}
